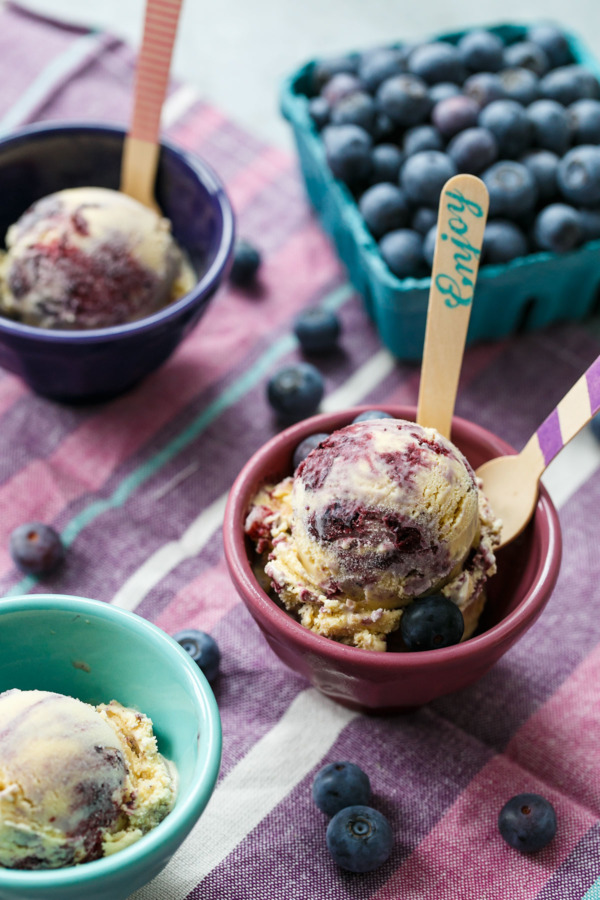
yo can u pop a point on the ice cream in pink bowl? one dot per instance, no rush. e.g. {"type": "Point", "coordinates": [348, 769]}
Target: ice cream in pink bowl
{"type": "Point", "coordinates": [345, 665]}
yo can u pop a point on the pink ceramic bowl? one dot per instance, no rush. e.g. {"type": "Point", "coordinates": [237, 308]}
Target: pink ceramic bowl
{"type": "Point", "coordinates": [390, 682]}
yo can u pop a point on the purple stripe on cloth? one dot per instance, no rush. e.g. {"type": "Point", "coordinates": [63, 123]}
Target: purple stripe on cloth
{"type": "Point", "coordinates": [593, 384]}
{"type": "Point", "coordinates": [576, 875]}
{"type": "Point", "coordinates": [253, 690]}
{"type": "Point", "coordinates": [36, 426]}
{"type": "Point", "coordinates": [550, 437]}
{"type": "Point", "coordinates": [28, 43]}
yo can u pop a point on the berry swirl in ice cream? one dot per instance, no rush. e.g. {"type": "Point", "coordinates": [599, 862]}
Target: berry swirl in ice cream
{"type": "Point", "coordinates": [90, 258]}
{"type": "Point", "coordinates": [77, 782]}
{"type": "Point", "coordinates": [380, 513]}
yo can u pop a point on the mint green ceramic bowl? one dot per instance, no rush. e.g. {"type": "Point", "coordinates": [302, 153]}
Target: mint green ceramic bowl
{"type": "Point", "coordinates": [97, 652]}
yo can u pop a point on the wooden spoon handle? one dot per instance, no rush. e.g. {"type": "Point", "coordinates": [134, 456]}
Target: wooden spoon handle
{"type": "Point", "coordinates": [565, 421]}
{"type": "Point", "coordinates": [461, 222]}
{"type": "Point", "coordinates": [141, 149]}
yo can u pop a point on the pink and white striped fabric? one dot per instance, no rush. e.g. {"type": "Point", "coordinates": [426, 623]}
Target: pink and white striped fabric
{"type": "Point", "coordinates": [137, 488]}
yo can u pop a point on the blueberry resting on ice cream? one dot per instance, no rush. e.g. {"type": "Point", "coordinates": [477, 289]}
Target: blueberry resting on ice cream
{"type": "Point", "coordinates": [378, 514]}
{"type": "Point", "coordinates": [90, 258]}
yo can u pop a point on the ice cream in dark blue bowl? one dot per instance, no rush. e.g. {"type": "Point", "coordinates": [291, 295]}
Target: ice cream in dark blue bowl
{"type": "Point", "coordinates": [74, 357]}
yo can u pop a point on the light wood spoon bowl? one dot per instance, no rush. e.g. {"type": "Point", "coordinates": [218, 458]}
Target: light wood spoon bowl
{"type": "Point", "coordinates": [511, 483]}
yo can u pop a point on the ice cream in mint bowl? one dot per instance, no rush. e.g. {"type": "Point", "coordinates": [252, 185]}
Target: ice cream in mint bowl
{"type": "Point", "coordinates": [379, 518]}
{"type": "Point", "coordinates": [109, 749]}
{"type": "Point", "coordinates": [96, 290]}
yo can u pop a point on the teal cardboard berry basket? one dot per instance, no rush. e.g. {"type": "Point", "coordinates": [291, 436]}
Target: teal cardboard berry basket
{"type": "Point", "coordinates": [522, 295]}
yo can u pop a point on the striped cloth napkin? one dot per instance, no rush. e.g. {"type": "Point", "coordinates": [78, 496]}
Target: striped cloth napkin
{"type": "Point", "coordinates": [137, 488]}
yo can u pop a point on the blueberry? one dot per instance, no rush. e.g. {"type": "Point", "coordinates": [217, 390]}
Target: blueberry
{"type": "Point", "coordinates": [423, 219]}
{"type": "Point", "coordinates": [543, 165]}
{"type": "Point", "coordinates": [455, 114]}
{"type": "Point", "coordinates": [423, 176]}
{"type": "Point", "coordinates": [429, 245]}
{"type": "Point", "coordinates": [355, 109]}
{"type": "Point", "coordinates": [558, 228]}
{"type": "Point", "coordinates": [359, 839]}
{"type": "Point", "coordinates": [579, 175]}
{"type": "Point", "coordinates": [503, 241]}
{"type": "Point", "coordinates": [584, 118]}
{"type": "Point", "coordinates": [442, 91]}
{"type": "Point", "coordinates": [307, 446]}
{"type": "Point", "coordinates": [338, 785]}
{"type": "Point", "coordinates": [36, 548]}
{"type": "Point", "coordinates": [348, 152]}
{"type": "Point", "coordinates": [340, 86]}
{"type": "Point", "coordinates": [527, 822]}
{"type": "Point", "coordinates": [319, 111]}
{"type": "Point", "coordinates": [595, 426]}
{"type": "Point", "coordinates": [484, 88]}
{"type": "Point", "coordinates": [481, 51]}
{"type": "Point", "coordinates": [317, 330]}
{"type": "Point", "coordinates": [369, 414]}
{"type": "Point", "coordinates": [325, 69]}
{"type": "Point", "coordinates": [551, 125]}
{"type": "Point", "coordinates": [386, 159]}
{"type": "Point", "coordinates": [402, 250]}
{"type": "Point", "coordinates": [431, 623]}
{"type": "Point", "coordinates": [473, 150]}
{"type": "Point", "coordinates": [570, 83]}
{"type": "Point", "coordinates": [295, 391]}
{"type": "Point", "coordinates": [438, 61]}
{"type": "Point", "coordinates": [375, 67]}
{"type": "Point", "coordinates": [553, 42]}
{"type": "Point", "coordinates": [512, 189]}
{"type": "Point", "coordinates": [405, 99]}
{"type": "Point", "coordinates": [246, 263]}
{"type": "Point", "coordinates": [527, 55]}
{"type": "Point", "coordinates": [508, 122]}
{"type": "Point", "coordinates": [422, 137]}
{"type": "Point", "coordinates": [202, 648]}
{"type": "Point", "coordinates": [590, 224]}
{"type": "Point", "coordinates": [521, 85]}
{"type": "Point", "coordinates": [384, 208]}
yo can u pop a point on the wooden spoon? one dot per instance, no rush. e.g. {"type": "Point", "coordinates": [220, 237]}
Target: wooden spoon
{"type": "Point", "coordinates": [462, 216]}
{"type": "Point", "coordinates": [511, 483]}
{"type": "Point", "coordinates": [141, 148]}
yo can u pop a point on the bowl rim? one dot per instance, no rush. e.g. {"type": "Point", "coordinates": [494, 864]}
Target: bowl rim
{"type": "Point", "coordinates": [311, 643]}
{"type": "Point", "coordinates": [184, 814]}
{"type": "Point", "coordinates": [203, 172]}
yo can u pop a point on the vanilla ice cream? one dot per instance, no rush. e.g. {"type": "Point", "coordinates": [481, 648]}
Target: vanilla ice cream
{"type": "Point", "coordinates": [77, 782]}
{"type": "Point", "coordinates": [90, 258]}
{"type": "Point", "coordinates": [380, 513]}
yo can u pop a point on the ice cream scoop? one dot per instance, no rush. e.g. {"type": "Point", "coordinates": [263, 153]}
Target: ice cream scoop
{"type": "Point", "coordinates": [90, 258]}
{"type": "Point", "coordinates": [381, 512]}
{"type": "Point", "coordinates": [76, 782]}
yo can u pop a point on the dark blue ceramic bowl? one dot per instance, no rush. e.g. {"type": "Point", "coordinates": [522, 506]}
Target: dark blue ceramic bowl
{"type": "Point", "coordinates": [83, 366]}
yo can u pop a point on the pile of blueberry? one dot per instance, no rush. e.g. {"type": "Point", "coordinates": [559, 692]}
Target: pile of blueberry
{"type": "Point", "coordinates": [398, 121]}
{"type": "Point", "coordinates": [359, 837]}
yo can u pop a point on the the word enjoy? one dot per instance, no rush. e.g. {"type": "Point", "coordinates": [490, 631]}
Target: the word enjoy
{"type": "Point", "coordinates": [458, 286]}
